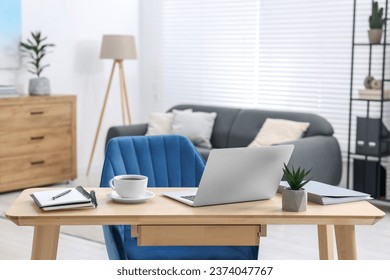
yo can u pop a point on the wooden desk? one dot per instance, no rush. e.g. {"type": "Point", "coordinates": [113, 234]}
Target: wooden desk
{"type": "Point", "coordinates": [161, 214]}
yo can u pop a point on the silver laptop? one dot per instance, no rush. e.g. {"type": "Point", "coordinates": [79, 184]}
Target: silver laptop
{"type": "Point", "coordinates": [237, 175]}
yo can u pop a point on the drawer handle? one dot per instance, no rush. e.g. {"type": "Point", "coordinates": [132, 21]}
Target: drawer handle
{"type": "Point", "coordinates": [37, 162]}
{"type": "Point", "coordinates": [37, 138]}
{"type": "Point", "coordinates": [37, 113]}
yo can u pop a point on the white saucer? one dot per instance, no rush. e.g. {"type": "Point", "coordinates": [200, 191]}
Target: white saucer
{"type": "Point", "coordinates": [114, 196]}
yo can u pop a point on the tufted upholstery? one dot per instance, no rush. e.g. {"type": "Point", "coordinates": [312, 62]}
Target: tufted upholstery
{"type": "Point", "coordinates": [167, 161]}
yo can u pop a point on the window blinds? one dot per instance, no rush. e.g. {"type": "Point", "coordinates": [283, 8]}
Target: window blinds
{"type": "Point", "coordinates": [279, 55]}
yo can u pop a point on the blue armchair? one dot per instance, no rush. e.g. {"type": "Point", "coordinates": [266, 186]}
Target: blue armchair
{"type": "Point", "coordinates": [167, 161]}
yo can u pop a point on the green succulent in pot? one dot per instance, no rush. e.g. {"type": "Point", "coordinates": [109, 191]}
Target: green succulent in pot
{"type": "Point", "coordinates": [376, 22]}
{"type": "Point", "coordinates": [295, 178]}
{"type": "Point", "coordinates": [294, 199]}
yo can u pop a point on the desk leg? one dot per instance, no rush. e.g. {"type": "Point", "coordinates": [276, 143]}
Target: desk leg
{"type": "Point", "coordinates": [45, 242]}
{"type": "Point", "coordinates": [325, 242]}
{"type": "Point", "coordinates": [346, 242]}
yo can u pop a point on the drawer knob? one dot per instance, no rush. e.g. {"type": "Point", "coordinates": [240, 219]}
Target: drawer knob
{"type": "Point", "coordinates": [37, 162]}
{"type": "Point", "coordinates": [37, 138]}
{"type": "Point", "coordinates": [37, 113]}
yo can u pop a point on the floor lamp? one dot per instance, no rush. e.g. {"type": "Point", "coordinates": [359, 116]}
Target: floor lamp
{"type": "Point", "coordinates": [118, 48]}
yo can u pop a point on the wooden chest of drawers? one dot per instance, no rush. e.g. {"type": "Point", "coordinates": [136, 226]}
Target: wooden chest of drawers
{"type": "Point", "coordinates": [37, 141]}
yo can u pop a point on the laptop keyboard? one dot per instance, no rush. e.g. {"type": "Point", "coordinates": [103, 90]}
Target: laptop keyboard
{"type": "Point", "coordinates": [189, 197]}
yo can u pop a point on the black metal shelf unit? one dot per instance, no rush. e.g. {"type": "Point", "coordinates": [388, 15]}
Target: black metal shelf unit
{"type": "Point", "coordinates": [368, 173]}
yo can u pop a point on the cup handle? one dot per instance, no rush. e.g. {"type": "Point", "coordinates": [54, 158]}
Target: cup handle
{"type": "Point", "coordinates": [112, 184]}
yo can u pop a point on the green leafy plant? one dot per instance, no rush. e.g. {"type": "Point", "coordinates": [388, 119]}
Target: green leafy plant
{"type": "Point", "coordinates": [295, 178]}
{"type": "Point", "coordinates": [36, 49]}
{"type": "Point", "coordinates": [376, 18]}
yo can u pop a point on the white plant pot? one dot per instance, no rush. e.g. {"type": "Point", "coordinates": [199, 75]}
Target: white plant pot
{"type": "Point", "coordinates": [39, 86]}
{"type": "Point", "coordinates": [375, 36]}
{"type": "Point", "coordinates": [294, 200]}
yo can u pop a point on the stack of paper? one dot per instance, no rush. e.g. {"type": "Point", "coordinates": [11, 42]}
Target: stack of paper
{"type": "Point", "coordinates": [325, 194]}
{"type": "Point", "coordinates": [8, 91]}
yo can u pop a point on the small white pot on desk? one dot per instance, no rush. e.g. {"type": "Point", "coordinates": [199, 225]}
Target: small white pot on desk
{"type": "Point", "coordinates": [294, 200]}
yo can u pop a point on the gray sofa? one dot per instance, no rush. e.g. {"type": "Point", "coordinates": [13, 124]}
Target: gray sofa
{"type": "Point", "coordinates": [235, 127]}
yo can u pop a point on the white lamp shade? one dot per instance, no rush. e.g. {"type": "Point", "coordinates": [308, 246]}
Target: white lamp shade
{"type": "Point", "coordinates": [118, 47]}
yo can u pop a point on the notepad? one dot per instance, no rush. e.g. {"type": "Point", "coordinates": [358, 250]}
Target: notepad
{"type": "Point", "coordinates": [325, 194]}
{"type": "Point", "coordinates": [77, 198]}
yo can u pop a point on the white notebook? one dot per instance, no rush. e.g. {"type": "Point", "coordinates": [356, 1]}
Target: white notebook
{"type": "Point", "coordinates": [64, 198]}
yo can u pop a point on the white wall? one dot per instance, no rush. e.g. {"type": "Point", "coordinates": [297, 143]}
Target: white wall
{"type": "Point", "coordinates": [76, 28]}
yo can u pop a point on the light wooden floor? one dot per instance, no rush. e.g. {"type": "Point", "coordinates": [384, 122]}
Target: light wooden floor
{"type": "Point", "coordinates": [282, 243]}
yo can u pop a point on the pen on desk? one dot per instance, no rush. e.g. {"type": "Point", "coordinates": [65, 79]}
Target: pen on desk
{"type": "Point", "coordinates": [60, 194]}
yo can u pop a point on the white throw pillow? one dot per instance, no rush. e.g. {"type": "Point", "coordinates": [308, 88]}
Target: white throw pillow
{"type": "Point", "coordinates": [276, 131]}
{"type": "Point", "coordinates": [161, 123]}
{"type": "Point", "coordinates": [197, 126]}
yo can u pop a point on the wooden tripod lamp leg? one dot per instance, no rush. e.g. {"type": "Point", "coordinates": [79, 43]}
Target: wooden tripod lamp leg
{"type": "Point", "coordinates": [123, 108]}
{"type": "Point", "coordinates": [101, 116]}
{"type": "Point", "coordinates": [124, 90]}
{"type": "Point", "coordinates": [122, 95]}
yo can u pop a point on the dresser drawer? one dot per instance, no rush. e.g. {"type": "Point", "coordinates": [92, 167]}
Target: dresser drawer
{"type": "Point", "coordinates": [27, 116]}
{"type": "Point", "coordinates": [40, 140]}
{"type": "Point", "coordinates": [37, 141]}
{"type": "Point", "coordinates": [32, 167]}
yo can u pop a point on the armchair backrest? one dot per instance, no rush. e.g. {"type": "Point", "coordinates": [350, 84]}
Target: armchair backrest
{"type": "Point", "coordinates": [167, 160]}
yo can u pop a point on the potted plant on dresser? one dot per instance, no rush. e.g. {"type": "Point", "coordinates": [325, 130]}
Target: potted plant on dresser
{"type": "Point", "coordinates": [36, 49]}
{"type": "Point", "coordinates": [376, 23]}
{"type": "Point", "coordinates": [294, 198]}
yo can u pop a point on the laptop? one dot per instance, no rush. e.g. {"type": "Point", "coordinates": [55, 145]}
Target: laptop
{"type": "Point", "coordinates": [236, 175]}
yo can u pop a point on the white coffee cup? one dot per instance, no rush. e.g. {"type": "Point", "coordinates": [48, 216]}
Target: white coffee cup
{"type": "Point", "coordinates": [129, 186]}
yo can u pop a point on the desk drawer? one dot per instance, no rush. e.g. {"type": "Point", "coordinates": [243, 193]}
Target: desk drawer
{"type": "Point", "coordinates": [197, 235]}
{"type": "Point", "coordinates": [31, 167]}
{"type": "Point", "coordinates": [35, 141]}
{"type": "Point", "coordinates": [20, 117]}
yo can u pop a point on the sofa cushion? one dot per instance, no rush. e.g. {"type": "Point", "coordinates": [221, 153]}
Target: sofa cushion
{"type": "Point", "coordinates": [249, 121]}
{"type": "Point", "coordinates": [161, 123]}
{"type": "Point", "coordinates": [197, 126]}
{"type": "Point", "coordinates": [222, 125]}
{"type": "Point", "coordinates": [275, 131]}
